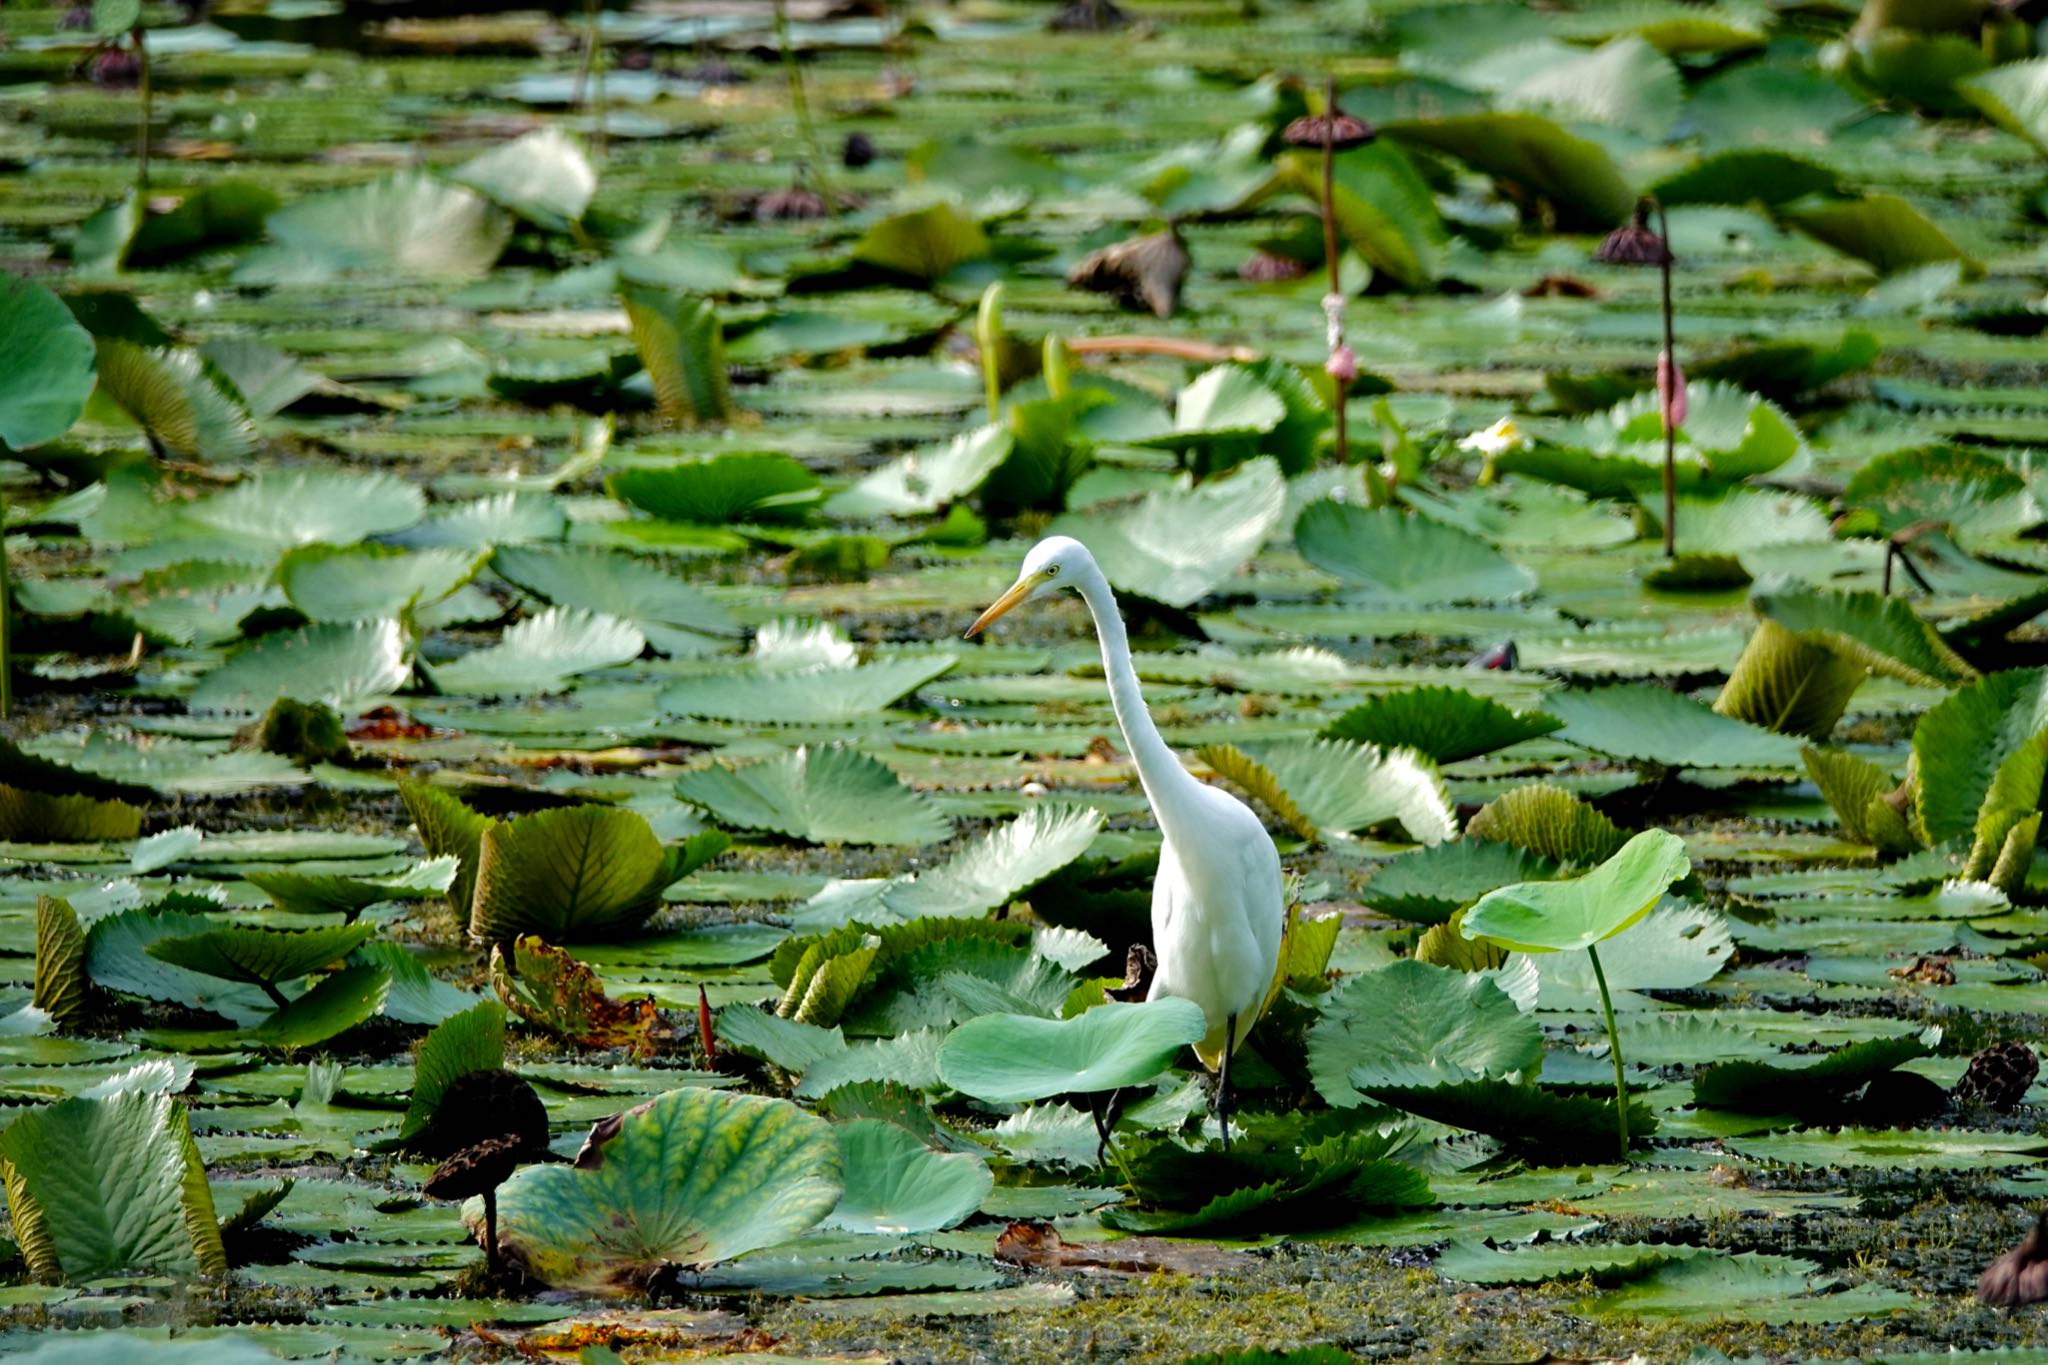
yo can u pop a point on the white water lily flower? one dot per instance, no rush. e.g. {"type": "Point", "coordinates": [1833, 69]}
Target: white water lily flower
{"type": "Point", "coordinates": [1497, 439]}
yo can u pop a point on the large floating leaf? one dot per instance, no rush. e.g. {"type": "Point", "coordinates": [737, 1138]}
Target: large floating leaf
{"type": "Point", "coordinates": [897, 1185]}
{"type": "Point", "coordinates": [117, 958]}
{"type": "Point", "coordinates": [1882, 230]}
{"type": "Point", "coordinates": [100, 1186]}
{"type": "Point", "coordinates": [1770, 1088]}
{"type": "Point", "coordinates": [46, 365]}
{"type": "Point", "coordinates": [570, 874]}
{"type": "Point", "coordinates": [371, 582]}
{"type": "Point", "coordinates": [739, 487]}
{"type": "Point", "coordinates": [979, 878]}
{"type": "Point", "coordinates": [1546, 1129]}
{"type": "Point", "coordinates": [923, 245]}
{"type": "Point", "coordinates": [258, 955]}
{"type": "Point", "coordinates": [337, 1003]}
{"type": "Point", "coordinates": [1991, 734]}
{"type": "Point", "coordinates": [1177, 546]}
{"type": "Point", "coordinates": [337, 893]}
{"type": "Point", "coordinates": [926, 480]}
{"type": "Point", "coordinates": [1384, 210]}
{"type": "Point", "coordinates": [806, 696]}
{"type": "Point", "coordinates": [660, 604]}
{"type": "Point", "coordinates": [276, 510]}
{"type": "Point", "coordinates": [1409, 1023]}
{"type": "Point", "coordinates": [1578, 177]}
{"type": "Point", "coordinates": [347, 666]}
{"type": "Point", "coordinates": [408, 225]}
{"type": "Point", "coordinates": [543, 176]}
{"type": "Point", "coordinates": [1442, 723]}
{"type": "Point", "coordinates": [1010, 1058]}
{"type": "Point", "coordinates": [1404, 558]}
{"type": "Point", "coordinates": [823, 796]}
{"type": "Point", "coordinates": [1651, 724]}
{"type": "Point", "coordinates": [1581, 912]}
{"type": "Point", "coordinates": [1747, 176]}
{"type": "Point", "coordinates": [682, 345]}
{"type": "Point", "coordinates": [1604, 1263]}
{"type": "Point", "coordinates": [689, 1179]}
{"type": "Point", "coordinates": [542, 654]}
{"type": "Point", "coordinates": [1971, 491]}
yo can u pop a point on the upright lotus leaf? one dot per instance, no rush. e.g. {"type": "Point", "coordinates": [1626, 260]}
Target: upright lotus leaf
{"type": "Point", "coordinates": [1981, 748]}
{"type": "Point", "coordinates": [1578, 177]}
{"type": "Point", "coordinates": [1580, 912]}
{"type": "Point", "coordinates": [348, 666]}
{"type": "Point", "coordinates": [1651, 724]}
{"type": "Point", "coordinates": [1624, 83]}
{"type": "Point", "coordinates": [682, 345]}
{"type": "Point", "coordinates": [738, 487]}
{"type": "Point", "coordinates": [1972, 492]}
{"type": "Point", "coordinates": [691, 1178]}
{"type": "Point", "coordinates": [1014, 1058]}
{"type": "Point", "coordinates": [1881, 230]}
{"type": "Point", "coordinates": [982, 877]}
{"type": "Point", "coordinates": [2014, 855]}
{"type": "Point", "coordinates": [1409, 1023]}
{"type": "Point", "coordinates": [548, 988]}
{"type": "Point", "coordinates": [1430, 884]}
{"type": "Point", "coordinates": [101, 1186]}
{"type": "Point", "coordinates": [1550, 822]}
{"type": "Point", "coordinates": [1869, 802]}
{"type": "Point", "coordinates": [261, 956]}
{"type": "Point", "coordinates": [448, 829]}
{"type": "Point", "coordinates": [1408, 559]}
{"type": "Point", "coordinates": [1222, 402]}
{"type": "Point", "coordinates": [821, 795]}
{"type": "Point", "coordinates": [1792, 684]}
{"type": "Point", "coordinates": [1326, 786]}
{"type": "Point", "coordinates": [61, 981]}
{"type": "Point", "coordinates": [827, 975]}
{"type": "Point", "coordinates": [1385, 211]}
{"type": "Point", "coordinates": [1445, 945]}
{"type": "Point", "coordinates": [335, 893]}
{"type": "Point", "coordinates": [923, 245]}
{"type": "Point", "coordinates": [1179, 545]}
{"type": "Point", "coordinates": [473, 1040]}
{"type": "Point", "coordinates": [407, 225]}
{"type": "Point", "coordinates": [2013, 96]}
{"type": "Point", "coordinates": [338, 1002]}
{"type": "Point", "coordinates": [46, 365]}
{"type": "Point", "coordinates": [542, 654]}
{"type": "Point", "coordinates": [1441, 723]}
{"type": "Point", "coordinates": [178, 397]}
{"type": "Point", "coordinates": [1748, 175]}
{"type": "Point", "coordinates": [543, 176]}
{"type": "Point", "coordinates": [926, 480]}
{"type": "Point", "coordinates": [571, 875]}
{"type": "Point", "coordinates": [897, 1186]}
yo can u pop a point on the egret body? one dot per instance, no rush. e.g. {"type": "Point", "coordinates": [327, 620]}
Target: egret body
{"type": "Point", "coordinates": [1217, 903]}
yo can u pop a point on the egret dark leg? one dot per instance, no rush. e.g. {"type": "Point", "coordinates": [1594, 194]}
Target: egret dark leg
{"type": "Point", "coordinates": [1105, 1122]}
{"type": "Point", "coordinates": [1223, 1079]}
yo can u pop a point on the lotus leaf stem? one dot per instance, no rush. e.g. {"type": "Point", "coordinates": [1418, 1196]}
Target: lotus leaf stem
{"type": "Point", "coordinates": [800, 103]}
{"type": "Point", "coordinates": [1614, 1049]}
{"type": "Point", "coordinates": [142, 107]}
{"type": "Point", "coordinates": [1671, 356]}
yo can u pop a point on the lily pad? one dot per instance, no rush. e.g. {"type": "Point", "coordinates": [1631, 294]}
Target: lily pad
{"type": "Point", "coordinates": [1013, 1058]}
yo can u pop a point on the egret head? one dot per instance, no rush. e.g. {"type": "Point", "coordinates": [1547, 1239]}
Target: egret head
{"type": "Point", "coordinates": [1054, 563]}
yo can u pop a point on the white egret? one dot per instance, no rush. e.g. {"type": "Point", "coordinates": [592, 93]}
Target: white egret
{"type": "Point", "coordinates": [1217, 905]}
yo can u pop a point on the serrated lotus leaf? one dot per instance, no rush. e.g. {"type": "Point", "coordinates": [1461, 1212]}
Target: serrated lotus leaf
{"type": "Point", "coordinates": [1546, 1129]}
{"type": "Point", "coordinates": [1582, 182]}
{"type": "Point", "coordinates": [926, 480]}
{"type": "Point", "coordinates": [689, 1179]}
{"type": "Point", "coordinates": [99, 1186]}
{"type": "Point", "coordinates": [46, 365]}
{"type": "Point", "coordinates": [277, 510]}
{"type": "Point", "coordinates": [1257, 781]}
{"type": "Point", "coordinates": [407, 225]}
{"type": "Point", "coordinates": [1410, 1023]}
{"type": "Point", "coordinates": [41, 817]}
{"type": "Point", "coordinates": [259, 955]}
{"type": "Point", "coordinates": [1012, 1058]}
{"type": "Point", "coordinates": [177, 397]}
{"type": "Point", "coordinates": [1963, 745]}
{"type": "Point", "coordinates": [1789, 683]}
{"type": "Point", "coordinates": [1856, 788]}
{"type": "Point", "coordinates": [1751, 1087]}
{"type": "Point", "coordinates": [337, 1003]}
{"type": "Point", "coordinates": [611, 582]}
{"type": "Point", "coordinates": [1177, 545]}
{"type": "Point", "coordinates": [117, 958]}
{"type": "Point", "coordinates": [923, 244]}
{"type": "Point", "coordinates": [1882, 230]}
{"type": "Point", "coordinates": [896, 940]}
{"type": "Point", "coordinates": [804, 696]}
{"type": "Point", "coordinates": [1550, 822]}
{"type": "Point", "coordinates": [744, 486]}
{"type": "Point", "coordinates": [2016, 855]}
{"type": "Point", "coordinates": [1445, 945]}
{"type": "Point", "coordinates": [550, 989]}
{"type": "Point", "coordinates": [895, 1185]}
{"type": "Point", "coordinates": [571, 875]}
{"type": "Point", "coordinates": [543, 176]}
{"type": "Point", "coordinates": [448, 829]}
{"type": "Point", "coordinates": [780, 1042]}
{"type": "Point", "coordinates": [682, 345]}
{"type": "Point", "coordinates": [821, 795]}
{"type": "Point", "coordinates": [541, 654]}
{"type": "Point", "coordinates": [61, 982]}
{"type": "Point", "coordinates": [1883, 633]}
{"type": "Point", "coordinates": [473, 1040]}
{"type": "Point", "coordinates": [826, 980]}
{"type": "Point", "coordinates": [2014, 96]}
{"type": "Point", "coordinates": [371, 582]}
{"type": "Point", "coordinates": [987, 874]}
{"type": "Point", "coordinates": [1580, 912]}
{"type": "Point", "coordinates": [1403, 558]}
{"type": "Point", "coordinates": [1650, 724]}
{"type": "Point", "coordinates": [1337, 786]}
{"type": "Point", "coordinates": [334, 893]}
{"type": "Point", "coordinates": [1430, 884]}
{"type": "Point", "coordinates": [1676, 946]}
{"type": "Point", "coordinates": [1971, 491]}
{"type": "Point", "coordinates": [1441, 723]}
{"type": "Point", "coordinates": [1225, 400]}
{"type": "Point", "coordinates": [347, 666]}
{"type": "Point", "coordinates": [1606, 1263]}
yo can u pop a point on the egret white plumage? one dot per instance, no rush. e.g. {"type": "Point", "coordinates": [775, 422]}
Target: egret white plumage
{"type": "Point", "coordinates": [1218, 908]}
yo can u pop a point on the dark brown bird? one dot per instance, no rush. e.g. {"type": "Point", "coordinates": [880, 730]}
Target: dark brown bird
{"type": "Point", "coordinates": [485, 1104]}
{"type": "Point", "coordinates": [479, 1170]}
{"type": "Point", "coordinates": [2021, 1275]}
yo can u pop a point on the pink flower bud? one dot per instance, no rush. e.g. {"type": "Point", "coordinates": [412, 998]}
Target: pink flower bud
{"type": "Point", "coordinates": [1342, 365]}
{"type": "Point", "coordinates": [1670, 391]}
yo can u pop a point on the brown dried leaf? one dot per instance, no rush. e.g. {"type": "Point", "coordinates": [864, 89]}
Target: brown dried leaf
{"type": "Point", "coordinates": [551, 989]}
{"type": "Point", "coordinates": [1037, 1246]}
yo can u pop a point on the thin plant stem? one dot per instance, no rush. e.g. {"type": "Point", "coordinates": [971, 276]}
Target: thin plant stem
{"type": "Point", "coordinates": [1180, 348]}
{"type": "Point", "coordinates": [590, 73]}
{"type": "Point", "coordinates": [142, 109]}
{"type": "Point", "coordinates": [815, 159]}
{"type": "Point", "coordinates": [1614, 1049]}
{"type": "Point", "coordinates": [1670, 431]}
{"type": "Point", "coordinates": [6, 636]}
{"type": "Point", "coordinates": [1341, 388]}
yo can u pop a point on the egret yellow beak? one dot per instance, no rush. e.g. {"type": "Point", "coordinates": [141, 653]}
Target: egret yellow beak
{"type": "Point", "coordinates": [1002, 606]}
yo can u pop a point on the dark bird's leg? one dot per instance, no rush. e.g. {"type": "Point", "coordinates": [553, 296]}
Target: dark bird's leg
{"type": "Point", "coordinates": [1105, 1122]}
{"type": "Point", "coordinates": [491, 1230]}
{"type": "Point", "coordinates": [1223, 1079]}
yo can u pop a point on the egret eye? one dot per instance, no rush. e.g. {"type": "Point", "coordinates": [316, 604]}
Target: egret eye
{"type": "Point", "coordinates": [1052, 571]}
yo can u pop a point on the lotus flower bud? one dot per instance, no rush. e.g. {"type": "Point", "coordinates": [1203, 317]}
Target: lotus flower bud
{"type": "Point", "coordinates": [1342, 365]}
{"type": "Point", "coordinates": [1670, 391]}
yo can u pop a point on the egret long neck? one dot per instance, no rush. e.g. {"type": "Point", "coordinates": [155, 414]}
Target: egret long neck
{"type": "Point", "coordinates": [1167, 783]}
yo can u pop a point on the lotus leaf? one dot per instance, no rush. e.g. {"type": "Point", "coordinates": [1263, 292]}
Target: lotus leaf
{"type": "Point", "coordinates": [688, 1179]}
{"type": "Point", "coordinates": [1413, 1024]}
{"type": "Point", "coordinates": [1654, 725]}
{"type": "Point", "coordinates": [713, 492]}
{"type": "Point", "coordinates": [1179, 545]}
{"type": "Point", "coordinates": [980, 878]}
{"type": "Point", "coordinates": [1405, 558]}
{"type": "Point", "coordinates": [542, 176]}
{"type": "Point", "coordinates": [1430, 884]}
{"type": "Point", "coordinates": [1577, 176]}
{"type": "Point", "coordinates": [682, 346]}
{"type": "Point", "coordinates": [408, 225]}
{"type": "Point", "coordinates": [1441, 723]}
{"type": "Point", "coordinates": [824, 796]}
{"type": "Point", "coordinates": [178, 397]}
{"type": "Point", "coordinates": [1975, 751]}
{"type": "Point", "coordinates": [46, 365]}
{"type": "Point", "coordinates": [570, 874]}
{"type": "Point", "coordinates": [260, 956]}
{"type": "Point", "coordinates": [1580, 912]}
{"type": "Point", "coordinates": [371, 582]}
{"type": "Point", "coordinates": [895, 1184]}
{"type": "Point", "coordinates": [1549, 822]}
{"type": "Point", "coordinates": [347, 666]}
{"type": "Point", "coordinates": [542, 654]}
{"type": "Point", "coordinates": [923, 245]}
{"type": "Point", "coordinates": [337, 1003]}
{"type": "Point", "coordinates": [473, 1040]}
{"type": "Point", "coordinates": [1013, 1058]}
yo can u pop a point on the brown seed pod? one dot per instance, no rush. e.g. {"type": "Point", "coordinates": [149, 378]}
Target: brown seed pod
{"type": "Point", "coordinates": [1634, 243]}
{"type": "Point", "coordinates": [1341, 131]}
{"type": "Point", "coordinates": [1144, 272]}
{"type": "Point", "coordinates": [1998, 1077]}
{"type": "Point", "coordinates": [1264, 267]}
